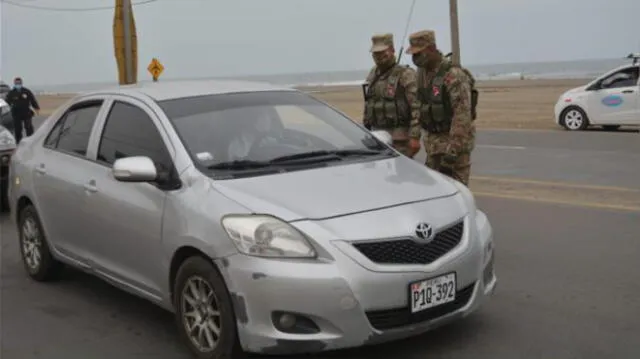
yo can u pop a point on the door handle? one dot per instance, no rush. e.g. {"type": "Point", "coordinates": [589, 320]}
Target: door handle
{"type": "Point", "coordinates": [627, 91]}
{"type": "Point", "coordinates": [91, 187]}
{"type": "Point", "coordinates": [41, 169]}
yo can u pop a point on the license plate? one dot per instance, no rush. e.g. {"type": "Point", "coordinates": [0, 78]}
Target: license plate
{"type": "Point", "coordinates": [432, 292]}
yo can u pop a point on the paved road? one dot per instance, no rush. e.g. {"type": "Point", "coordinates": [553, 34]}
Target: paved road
{"type": "Point", "coordinates": [569, 288]}
{"type": "Point", "coordinates": [590, 157]}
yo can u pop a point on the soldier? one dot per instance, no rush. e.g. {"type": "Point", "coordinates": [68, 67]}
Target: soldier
{"type": "Point", "coordinates": [447, 99]}
{"type": "Point", "coordinates": [390, 98]}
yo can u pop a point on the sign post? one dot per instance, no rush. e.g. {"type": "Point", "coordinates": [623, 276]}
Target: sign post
{"type": "Point", "coordinates": [155, 68]}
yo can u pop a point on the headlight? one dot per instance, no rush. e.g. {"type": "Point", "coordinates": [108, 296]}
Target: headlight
{"type": "Point", "coordinates": [6, 137]}
{"type": "Point", "coordinates": [266, 236]}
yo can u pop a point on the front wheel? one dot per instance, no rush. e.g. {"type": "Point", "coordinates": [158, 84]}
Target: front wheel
{"type": "Point", "coordinates": [204, 312]}
{"type": "Point", "coordinates": [574, 119]}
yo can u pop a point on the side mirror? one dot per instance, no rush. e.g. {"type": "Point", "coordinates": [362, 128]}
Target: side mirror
{"type": "Point", "coordinates": [383, 136]}
{"type": "Point", "coordinates": [134, 169]}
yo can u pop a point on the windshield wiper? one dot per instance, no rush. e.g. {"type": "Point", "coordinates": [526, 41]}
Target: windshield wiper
{"type": "Point", "coordinates": [239, 165]}
{"type": "Point", "coordinates": [327, 155]}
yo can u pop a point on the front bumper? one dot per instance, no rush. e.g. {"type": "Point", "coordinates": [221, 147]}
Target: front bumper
{"type": "Point", "coordinates": [347, 304]}
{"type": "Point", "coordinates": [557, 111]}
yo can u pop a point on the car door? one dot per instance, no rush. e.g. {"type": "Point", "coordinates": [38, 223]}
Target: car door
{"type": "Point", "coordinates": [58, 177]}
{"type": "Point", "coordinates": [615, 100]}
{"type": "Point", "coordinates": [127, 217]}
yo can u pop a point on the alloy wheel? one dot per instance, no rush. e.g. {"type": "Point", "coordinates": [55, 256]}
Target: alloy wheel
{"type": "Point", "coordinates": [201, 314]}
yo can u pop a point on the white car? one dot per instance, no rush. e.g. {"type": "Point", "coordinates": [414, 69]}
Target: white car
{"type": "Point", "coordinates": [611, 100]}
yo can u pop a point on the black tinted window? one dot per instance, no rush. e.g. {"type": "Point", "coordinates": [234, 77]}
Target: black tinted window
{"type": "Point", "coordinates": [72, 132]}
{"type": "Point", "coordinates": [130, 132]}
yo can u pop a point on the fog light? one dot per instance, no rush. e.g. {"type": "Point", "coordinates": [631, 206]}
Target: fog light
{"type": "Point", "coordinates": [293, 323]}
{"type": "Point", "coordinates": [287, 321]}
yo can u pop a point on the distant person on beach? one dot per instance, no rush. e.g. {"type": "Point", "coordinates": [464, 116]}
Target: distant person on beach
{"type": "Point", "coordinates": [447, 98]}
{"type": "Point", "coordinates": [390, 98]}
{"type": "Point", "coordinates": [23, 103]}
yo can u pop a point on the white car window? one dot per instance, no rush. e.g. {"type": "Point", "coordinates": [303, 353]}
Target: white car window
{"type": "Point", "coordinates": [623, 78]}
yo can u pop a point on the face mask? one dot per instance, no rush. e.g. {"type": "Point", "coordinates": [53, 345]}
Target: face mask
{"type": "Point", "coordinates": [17, 86]}
{"type": "Point", "coordinates": [420, 59]}
{"type": "Point", "coordinates": [383, 60]}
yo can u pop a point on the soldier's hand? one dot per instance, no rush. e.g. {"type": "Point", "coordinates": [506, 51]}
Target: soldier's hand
{"type": "Point", "coordinates": [449, 160]}
{"type": "Point", "coordinates": [414, 147]}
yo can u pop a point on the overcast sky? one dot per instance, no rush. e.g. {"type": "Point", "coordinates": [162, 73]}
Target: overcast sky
{"type": "Point", "coordinates": [244, 37]}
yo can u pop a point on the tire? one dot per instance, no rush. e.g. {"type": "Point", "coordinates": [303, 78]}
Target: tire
{"type": "Point", "coordinates": [34, 247]}
{"type": "Point", "coordinates": [610, 127]}
{"type": "Point", "coordinates": [197, 270]}
{"type": "Point", "coordinates": [574, 119]}
{"type": "Point", "coordinates": [4, 197]}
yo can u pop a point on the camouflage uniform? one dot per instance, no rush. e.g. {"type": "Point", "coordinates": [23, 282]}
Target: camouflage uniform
{"type": "Point", "coordinates": [446, 118]}
{"type": "Point", "coordinates": [390, 101]}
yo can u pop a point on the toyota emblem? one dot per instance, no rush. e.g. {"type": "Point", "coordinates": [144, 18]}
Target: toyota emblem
{"type": "Point", "coordinates": [424, 231]}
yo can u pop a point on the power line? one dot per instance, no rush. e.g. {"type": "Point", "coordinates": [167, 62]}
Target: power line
{"type": "Point", "coordinates": [76, 9]}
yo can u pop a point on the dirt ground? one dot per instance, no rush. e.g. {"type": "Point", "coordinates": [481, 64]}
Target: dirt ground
{"type": "Point", "coordinates": [508, 104]}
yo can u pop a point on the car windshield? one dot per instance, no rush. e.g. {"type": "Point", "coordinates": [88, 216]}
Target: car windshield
{"type": "Point", "coordinates": [268, 131]}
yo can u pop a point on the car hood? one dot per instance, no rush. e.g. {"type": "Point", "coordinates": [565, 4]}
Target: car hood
{"type": "Point", "coordinates": [575, 90]}
{"type": "Point", "coordinates": [338, 190]}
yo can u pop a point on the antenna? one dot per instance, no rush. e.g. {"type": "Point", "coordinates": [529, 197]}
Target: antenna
{"type": "Point", "coordinates": [406, 29]}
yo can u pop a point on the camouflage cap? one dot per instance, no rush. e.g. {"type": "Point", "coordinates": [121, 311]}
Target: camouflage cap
{"type": "Point", "coordinates": [420, 40]}
{"type": "Point", "coordinates": [381, 42]}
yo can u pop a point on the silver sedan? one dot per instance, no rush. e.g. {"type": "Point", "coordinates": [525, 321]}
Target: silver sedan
{"type": "Point", "coordinates": [266, 220]}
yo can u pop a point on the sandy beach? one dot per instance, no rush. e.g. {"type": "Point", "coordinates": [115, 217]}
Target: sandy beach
{"type": "Point", "coordinates": [503, 104]}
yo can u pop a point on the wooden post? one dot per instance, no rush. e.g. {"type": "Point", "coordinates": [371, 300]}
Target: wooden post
{"type": "Point", "coordinates": [128, 53]}
{"type": "Point", "coordinates": [455, 37]}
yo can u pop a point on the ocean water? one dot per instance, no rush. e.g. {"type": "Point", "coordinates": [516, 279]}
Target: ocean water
{"type": "Point", "coordinates": [579, 69]}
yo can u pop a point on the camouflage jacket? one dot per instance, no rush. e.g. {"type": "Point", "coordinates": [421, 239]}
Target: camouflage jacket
{"type": "Point", "coordinates": [461, 136]}
{"type": "Point", "coordinates": [401, 99]}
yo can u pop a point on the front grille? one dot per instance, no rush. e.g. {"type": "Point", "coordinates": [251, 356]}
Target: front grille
{"type": "Point", "coordinates": [400, 317]}
{"type": "Point", "coordinates": [408, 251]}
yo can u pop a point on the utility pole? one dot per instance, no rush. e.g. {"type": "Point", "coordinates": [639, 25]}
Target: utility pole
{"type": "Point", "coordinates": [455, 37]}
{"type": "Point", "coordinates": [128, 53]}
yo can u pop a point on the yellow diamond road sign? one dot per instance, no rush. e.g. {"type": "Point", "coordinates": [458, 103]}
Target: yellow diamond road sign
{"type": "Point", "coordinates": [155, 68]}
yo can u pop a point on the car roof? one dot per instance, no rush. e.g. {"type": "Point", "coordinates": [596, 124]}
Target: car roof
{"type": "Point", "coordinates": [168, 90]}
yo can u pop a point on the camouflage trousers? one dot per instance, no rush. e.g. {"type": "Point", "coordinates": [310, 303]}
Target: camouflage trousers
{"type": "Point", "coordinates": [400, 138]}
{"type": "Point", "coordinates": [460, 170]}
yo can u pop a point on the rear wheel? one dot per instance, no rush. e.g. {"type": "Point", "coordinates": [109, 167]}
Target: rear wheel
{"type": "Point", "coordinates": [4, 196]}
{"type": "Point", "coordinates": [204, 312]}
{"type": "Point", "coordinates": [574, 119]}
{"type": "Point", "coordinates": [36, 255]}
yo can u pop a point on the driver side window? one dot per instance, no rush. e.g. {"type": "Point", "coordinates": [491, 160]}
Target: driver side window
{"type": "Point", "coordinates": [129, 131]}
{"type": "Point", "coordinates": [623, 78]}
